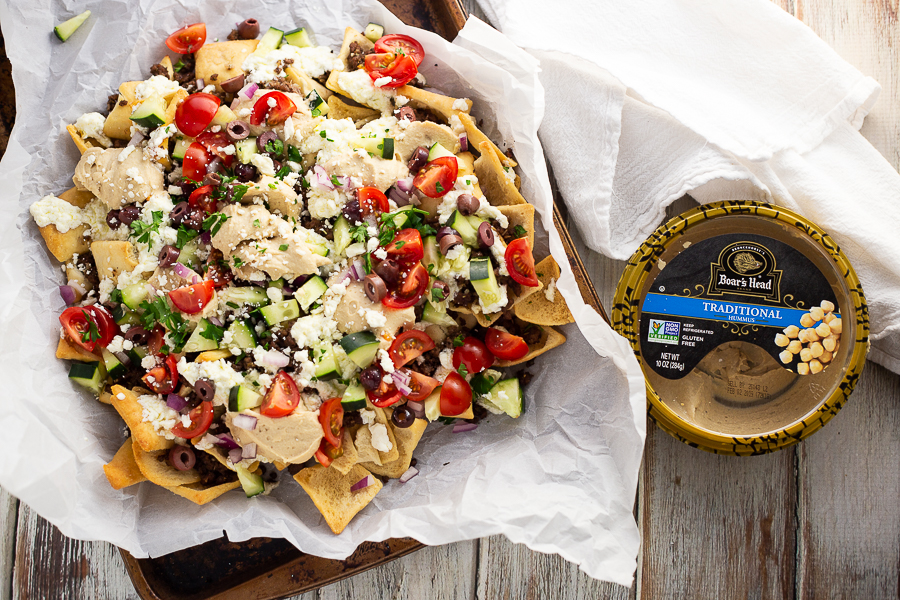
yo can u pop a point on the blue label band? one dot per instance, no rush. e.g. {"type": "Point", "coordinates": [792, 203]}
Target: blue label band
{"type": "Point", "coordinates": [716, 310]}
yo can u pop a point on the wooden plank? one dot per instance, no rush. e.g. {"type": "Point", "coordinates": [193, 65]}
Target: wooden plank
{"type": "Point", "coordinates": [50, 565]}
{"type": "Point", "coordinates": [8, 509]}
{"type": "Point", "coordinates": [436, 572]}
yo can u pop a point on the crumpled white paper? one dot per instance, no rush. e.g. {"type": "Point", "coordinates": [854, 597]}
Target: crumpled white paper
{"type": "Point", "coordinates": [560, 479]}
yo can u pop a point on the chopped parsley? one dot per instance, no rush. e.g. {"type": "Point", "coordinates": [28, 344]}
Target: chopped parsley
{"type": "Point", "coordinates": [115, 296]}
{"type": "Point", "coordinates": [283, 247]}
{"type": "Point", "coordinates": [237, 262]}
{"type": "Point", "coordinates": [294, 154]}
{"type": "Point", "coordinates": [336, 182]}
{"type": "Point", "coordinates": [214, 222]}
{"type": "Point", "coordinates": [143, 230]}
{"type": "Point", "coordinates": [458, 340]}
{"type": "Point", "coordinates": [359, 233]}
{"type": "Point", "coordinates": [322, 134]}
{"type": "Point", "coordinates": [437, 295]}
{"type": "Point", "coordinates": [368, 263]}
{"type": "Point", "coordinates": [212, 332]}
{"type": "Point", "coordinates": [273, 186]}
{"type": "Point", "coordinates": [92, 334]}
{"type": "Point", "coordinates": [462, 370]}
{"type": "Point", "coordinates": [157, 311]}
{"type": "Point", "coordinates": [520, 231]}
{"type": "Point", "coordinates": [275, 146]}
{"type": "Point", "coordinates": [414, 219]}
{"type": "Point", "coordinates": [256, 223]}
{"type": "Point", "coordinates": [283, 172]}
{"type": "Point", "coordinates": [438, 186]}
{"type": "Point", "coordinates": [184, 236]}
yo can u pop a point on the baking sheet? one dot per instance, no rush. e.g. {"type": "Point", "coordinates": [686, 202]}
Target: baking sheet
{"type": "Point", "coordinates": [560, 479]}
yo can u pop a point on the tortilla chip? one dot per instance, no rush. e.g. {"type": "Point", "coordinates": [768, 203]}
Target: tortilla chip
{"type": "Point", "coordinates": [550, 339]}
{"type": "Point", "coordinates": [365, 451]}
{"type": "Point", "coordinates": [132, 413]}
{"type": "Point", "coordinates": [498, 188]}
{"type": "Point", "coordinates": [113, 258]}
{"type": "Point", "coordinates": [69, 350]}
{"type": "Point", "coordinates": [523, 216]}
{"type": "Point", "coordinates": [350, 457]}
{"type": "Point", "coordinates": [155, 468]}
{"type": "Point", "coordinates": [196, 493]}
{"type": "Point", "coordinates": [350, 35]}
{"type": "Point", "coordinates": [407, 440]}
{"type": "Point", "coordinates": [436, 103]}
{"type": "Point", "coordinates": [172, 107]}
{"type": "Point", "coordinates": [213, 355]}
{"type": "Point", "coordinates": [477, 137]}
{"type": "Point", "coordinates": [80, 142]}
{"type": "Point", "coordinates": [306, 83]}
{"type": "Point", "coordinates": [537, 309]}
{"type": "Point", "coordinates": [122, 470]}
{"type": "Point", "coordinates": [384, 418]}
{"type": "Point", "coordinates": [118, 123]}
{"type": "Point", "coordinates": [338, 109]}
{"type": "Point", "coordinates": [222, 60]}
{"type": "Point", "coordinates": [79, 198]}
{"type": "Point", "coordinates": [63, 246]}
{"type": "Point", "coordinates": [329, 490]}
{"type": "Point", "coordinates": [167, 63]}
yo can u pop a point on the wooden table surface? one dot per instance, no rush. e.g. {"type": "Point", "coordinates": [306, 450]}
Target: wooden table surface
{"type": "Point", "coordinates": [819, 520]}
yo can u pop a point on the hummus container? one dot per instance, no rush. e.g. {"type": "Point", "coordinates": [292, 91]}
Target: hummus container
{"type": "Point", "coordinates": [749, 323]}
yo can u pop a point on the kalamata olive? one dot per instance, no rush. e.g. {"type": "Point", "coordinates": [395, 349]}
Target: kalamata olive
{"type": "Point", "coordinates": [215, 165]}
{"type": "Point", "coordinates": [245, 172]}
{"type": "Point", "coordinates": [180, 212]}
{"type": "Point", "coordinates": [375, 287]}
{"type": "Point", "coordinates": [194, 219]}
{"type": "Point", "coordinates": [237, 130]}
{"type": "Point", "coordinates": [370, 377]}
{"type": "Point", "coordinates": [276, 164]}
{"type": "Point", "coordinates": [129, 214]}
{"type": "Point", "coordinates": [233, 85]}
{"type": "Point", "coordinates": [187, 186]}
{"type": "Point", "coordinates": [168, 255]}
{"type": "Point", "coordinates": [403, 417]}
{"type": "Point", "coordinates": [352, 211]}
{"type": "Point", "coordinates": [136, 335]}
{"type": "Point", "coordinates": [485, 235]}
{"type": "Point", "coordinates": [418, 159]}
{"type": "Point", "coordinates": [467, 204]}
{"type": "Point", "coordinates": [182, 457]}
{"type": "Point", "coordinates": [112, 219]}
{"type": "Point", "coordinates": [389, 271]}
{"type": "Point", "coordinates": [264, 138]}
{"type": "Point", "coordinates": [213, 179]}
{"type": "Point", "coordinates": [205, 389]}
{"type": "Point", "coordinates": [439, 291]}
{"type": "Point", "coordinates": [248, 29]}
{"type": "Point", "coordinates": [444, 231]}
{"type": "Point", "coordinates": [448, 242]}
{"type": "Point", "coordinates": [406, 113]}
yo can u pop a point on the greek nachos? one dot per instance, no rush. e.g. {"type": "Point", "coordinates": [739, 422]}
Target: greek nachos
{"type": "Point", "coordinates": [282, 257]}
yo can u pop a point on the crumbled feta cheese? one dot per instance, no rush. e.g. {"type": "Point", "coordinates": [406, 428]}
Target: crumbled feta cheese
{"type": "Point", "coordinates": [309, 330]}
{"type": "Point", "coordinates": [51, 210]}
{"type": "Point", "coordinates": [359, 86]}
{"type": "Point", "coordinates": [116, 344]}
{"type": "Point", "coordinates": [384, 359]}
{"type": "Point", "coordinates": [219, 372]}
{"type": "Point", "coordinates": [159, 415]}
{"type": "Point", "coordinates": [264, 164]}
{"type": "Point", "coordinates": [380, 439]}
{"type": "Point", "coordinates": [107, 285]}
{"type": "Point", "coordinates": [157, 85]}
{"type": "Point", "coordinates": [375, 319]}
{"type": "Point", "coordinates": [401, 100]}
{"type": "Point", "coordinates": [380, 253]}
{"type": "Point", "coordinates": [382, 81]}
{"type": "Point", "coordinates": [367, 416]}
{"type": "Point", "coordinates": [148, 362]}
{"type": "Point", "coordinates": [90, 125]}
{"type": "Point", "coordinates": [315, 61]}
{"type": "Point", "coordinates": [446, 358]}
{"type": "Point", "coordinates": [460, 104]}
{"type": "Point", "coordinates": [550, 291]}
{"type": "Point", "coordinates": [274, 294]}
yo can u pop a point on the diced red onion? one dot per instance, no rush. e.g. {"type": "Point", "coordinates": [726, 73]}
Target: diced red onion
{"type": "Point", "coordinates": [320, 177]}
{"type": "Point", "coordinates": [200, 83]}
{"type": "Point", "coordinates": [357, 270]}
{"type": "Point", "coordinates": [235, 455]}
{"type": "Point", "coordinates": [225, 440]}
{"type": "Point", "coordinates": [175, 402]}
{"type": "Point", "coordinates": [210, 439]}
{"type": "Point", "coordinates": [417, 408]}
{"type": "Point", "coordinates": [68, 294]}
{"type": "Point", "coordinates": [464, 143]}
{"type": "Point", "coordinates": [464, 427]}
{"type": "Point", "coordinates": [401, 381]}
{"type": "Point", "coordinates": [245, 422]}
{"type": "Point", "coordinates": [249, 451]}
{"type": "Point", "coordinates": [399, 197]}
{"type": "Point", "coordinates": [186, 273]}
{"type": "Point", "coordinates": [405, 185]}
{"type": "Point", "coordinates": [274, 359]}
{"type": "Point", "coordinates": [248, 91]}
{"type": "Point", "coordinates": [136, 139]}
{"type": "Point", "coordinates": [216, 321]}
{"type": "Point", "coordinates": [362, 483]}
{"type": "Point", "coordinates": [206, 237]}
{"type": "Point", "coordinates": [409, 474]}
{"type": "Point", "coordinates": [77, 287]}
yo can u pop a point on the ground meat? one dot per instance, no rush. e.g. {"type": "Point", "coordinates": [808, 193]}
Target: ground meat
{"type": "Point", "coordinates": [283, 85]}
{"type": "Point", "coordinates": [317, 226]}
{"type": "Point", "coordinates": [357, 56]}
{"type": "Point", "coordinates": [531, 334]}
{"type": "Point", "coordinates": [158, 69]}
{"type": "Point", "coordinates": [185, 75]}
{"type": "Point", "coordinates": [466, 294]}
{"type": "Point", "coordinates": [119, 143]}
{"type": "Point", "coordinates": [512, 286]}
{"type": "Point", "coordinates": [86, 265]}
{"type": "Point", "coordinates": [352, 419]}
{"type": "Point", "coordinates": [525, 378]}
{"type": "Point", "coordinates": [132, 377]}
{"type": "Point", "coordinates": [508, 235]}
{"type": "Point", "coordinates": [234, 35]}
{"type": "Point", "coordinates": [431, 360]}
{"type": "Point", "coordinates": [423, 114]}
{"type": "Point", "coordinates": [111, 101]}
{"type": "Point", "coordinates": [283, 340]}
{"type": "Point", "coordinates": [211, 471]}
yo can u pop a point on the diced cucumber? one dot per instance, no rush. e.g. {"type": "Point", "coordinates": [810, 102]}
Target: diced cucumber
{"type": "Point", "coordinates": [198, 343]}
{"type": "Point", "coordinates": [245, 149]}
{"type": "Point", "coordinates": [374, 32]}
{"type": "Point", "coordinates": [242, 335]}
{"type": "Point", "coordinates": [464, 228]}
{"type": "Point", "coordinates": [241, 398]}
{"type": "Point", "coordinates": [89, 375]}
{"type": "Point", "coordinates": [277, 283]}
{"type": "Point", "coordinates": [402, 215]}
{"type": "Point", "coordinates": [382, 147]}
{"type": "Point", "coordinates": [278, 312]}
{"type": "Point", "coordinates": [327, 367]}
{"type": "Point", "coordinates": [317, 106]}
{"type": "Point", "coordinates": [269, 41]}
{"type": "Point", "coordinates": [354, 397]}
{"type": "Point", "coordinates": [483, 382]}
{"type": "Point", "coordinates": [342, 237]}
{"type": "Point", "coordinates": [137, 354]}
{"type": "Point", "coordinates": [114, 367]}
{"type": "Point", "coordinates": [64, 30]}
{"type": "Point", "coordinates": [432, 314]}
{"type": "Point", "coordinates": [123, 315]}
{"type": "Point", "coordinates": [302, 37]}
{"type": "Point", "coordinates": [361, 348]}
{"type": "Point", "coordinates": [181, 146]}
{"type": "Point", "coordinates": [223, 117]}
{"type": "Point", "coordinates": [506, 395]}
{"type": "Point", "coordinates": [481, 274]}
{"type": "Point", "coordinates": [432, 255]}
{"type": "Point", "coordinates": [437, 151]}
{"type": "Point", "coordinates": [475, 221]}
{"type": "Point", "coordinates": [310, 291]}
{"type": "Point", "coordinates": [134, 294]}
{"type": "Point", "coordinates": [188, 255]}
{"type": "Point", "coordinates": [252, 295]}
{"type": "Point", "coordinates": [151, 112]}
{"type": "Point", "coordinates": [320, 249]}
{"type": "Point", "coordinates": [251, 482]}
{"type": "Point", "coordinates": [480, 268]}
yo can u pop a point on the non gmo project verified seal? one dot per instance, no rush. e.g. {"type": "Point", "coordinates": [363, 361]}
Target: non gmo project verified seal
{"type": "Point", "coordinates": [664, 332]}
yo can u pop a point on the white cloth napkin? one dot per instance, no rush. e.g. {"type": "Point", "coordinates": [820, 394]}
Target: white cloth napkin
{"type": "Point", "coordinates": [648, 101]}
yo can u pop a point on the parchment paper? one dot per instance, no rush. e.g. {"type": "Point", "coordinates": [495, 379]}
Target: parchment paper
{"type": "Point", "coordinates": [560, 479]}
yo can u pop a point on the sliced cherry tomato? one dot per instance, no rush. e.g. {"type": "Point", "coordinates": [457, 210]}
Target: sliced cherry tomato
{"type": "Point", "coordinates": [328, 453]}
{"type": "Point", "coordinates": [456, 395]}
{"type": "Point", "coordinates": [273, 108]}
{"type": "Point", "coordinates": [372, 201]}
{"type": "Point", "coordinates": [401, 44]}
{"type": "Point", "coordinates": [188, 39]}
{"type": "Point", "coordinates": [406, 247]}
{"type": "Point", "coordinates": [408, 346]}
{"type": "Point", "coordinates": [410, 291]}
{"type": "Point", "coordinates": [201, 418]}
{"type": "Point", "coordinates": [520, 263]}
{"type": "Point", "coordinates": [196, 112]}
{"type": "Point", "coordinates": [437, 177]}
{"type": "Point", "coordinates": [202, 197]}
{"type": "Point", "coordinates": [505, 346]}
{"type": "Point", "coordinates": [282, 398]}
{"type": "Point", "coordinates": [192, 299]}
{"type": "Point", "coordinates": [217, 143]}
{"type": "Point", "coordinates": [195, 160]}
{"type": "Point", "coordinates": [331, 416]}
{"type": "Point", "coordinates": [164, 378]}
{"type": "Point", "coordinates": [88, 326]}
{"type": "Point", "coordinates": [474, 354]}
{"type": "Point", "coordinates": [400, 68]}
{"type": "Point", "coordinates": [386, 395]}
{"type": "Point", "coordinates": [420, 385]}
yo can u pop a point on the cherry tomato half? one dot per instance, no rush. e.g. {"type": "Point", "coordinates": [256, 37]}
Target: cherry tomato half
{"type": "Point", "coordinates": [456, 395]}
{"type": "Point", "coordinates": [372, 201]}
{"type": "Point", "coordinates": [520, 263]}
{"type": "Point", "coordinates": [386, 395]}
{"type": "Point", "coordinates": [474, 354]}
{"type": "Point", "coordinates": [400, 68]}
{"type": "Point", "coordinates": [420, 385]}
{"type": "Point", "coordinates": [406, 247]}
{"type": "Point", "coordinates": [164, 378]}
{"type": "Point", "coordinates": [195, 160]}
{"type": "Point", "coordinates": [195, 113]}
{"type": "Point", "coordinates": [201, 418]}
{"type": "Point", "coordinates": [217, 143]}
{"type": "Point", "coordinates": [273, 108]}
{"type": "Point", "coordinates": [328, 453]}
{"type": "Point", "coordinates": [282, 398]}
{"type": "Point", "coordinates": [437, 177]}
{"type": "Point", "coordinates": [410, 291]}
{"type": "Point", "coordinates": [331, 416]}
{"type": "Point", "coordinates": [401, 44]}
{"type": "Point", "coordinates": [505, 346]}
{"type": "Point", "coordinates": [202, 197]}
{"type": "Point", "coordinates": [192, 299]}
{"type": "Point", "coordinates": [88, 326]}
{"type": "Point", "coordinates": [408, 346]}
{"type": "Point", "coordinates": [188, 39]}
